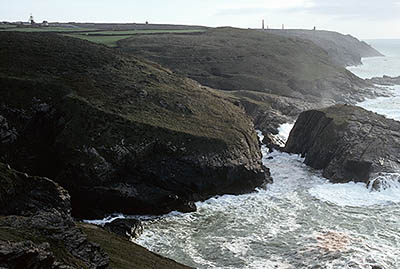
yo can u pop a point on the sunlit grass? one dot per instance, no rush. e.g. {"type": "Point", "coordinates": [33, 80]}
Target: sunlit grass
{"type": "Point", "coordinates": [110, 40]}
{"type": "Point", "coordinates": [133, 32]}
{"type": "Point", "coordinates": [46, 29]}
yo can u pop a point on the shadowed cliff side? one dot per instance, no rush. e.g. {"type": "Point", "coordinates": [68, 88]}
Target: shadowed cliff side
{"type": "Point", "coordinates": [37, 231]}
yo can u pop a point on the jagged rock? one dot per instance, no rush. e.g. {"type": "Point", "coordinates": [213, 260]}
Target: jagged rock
{"type": "Point", "coordinates": [25, 254]}
{"type": "Point", "coordinates": [349, 143]}
{"type": "Point", "coordinates": [38, 208]}
{"type": "Point", "coordinates": [24, 195]}
{"type": "Point", "coordinates": [7, 134]}
{"type": "Point", "coordinates": [273, 142]}
{"type": "Point", "coordinates": [130, 228]}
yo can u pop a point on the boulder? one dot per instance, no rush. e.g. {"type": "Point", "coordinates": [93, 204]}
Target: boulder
{"type": "Point", "coordinates": [130, 228]}
{"type": "Point", "coordinates": [347, 142]}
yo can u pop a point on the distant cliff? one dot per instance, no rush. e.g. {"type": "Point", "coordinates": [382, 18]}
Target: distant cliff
{"type": "Point", "coordinates": [274, 77]}
{"type": "Point", "coordinates": [344, 50]}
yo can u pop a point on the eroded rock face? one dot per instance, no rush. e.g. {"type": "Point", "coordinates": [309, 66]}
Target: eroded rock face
{"type": "Point", "coordinates": [25, 254]}
{"type": "Point", "coordinates": [347, 142]}
{"type": "Point", "coordinates": [39, 209]}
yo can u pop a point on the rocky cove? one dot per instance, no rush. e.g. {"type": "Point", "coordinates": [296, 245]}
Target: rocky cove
{"type": "Point", "coordinates": [123, 134]}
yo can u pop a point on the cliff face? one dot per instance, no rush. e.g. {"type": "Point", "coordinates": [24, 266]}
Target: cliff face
{"type": "Point", "coordinates": [349, 143]}
{"type": "Point", "coordinates": [118, 133]}
{"type": "Point", "coordinates": [37, 231]}
{"type": "Point", "coordinates": [344, 50]}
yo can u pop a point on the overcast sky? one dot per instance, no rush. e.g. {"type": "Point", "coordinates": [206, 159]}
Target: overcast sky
{"type": "Point", "coordinates": [361, 18]}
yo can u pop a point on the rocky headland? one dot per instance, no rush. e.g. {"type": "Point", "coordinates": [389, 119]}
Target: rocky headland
{"type": "Point", "coordinates": [120, 134]}
{"type": "Point", "coordinates": [347, 142]}
{"type": "Point", "coordinates": [344, 50]}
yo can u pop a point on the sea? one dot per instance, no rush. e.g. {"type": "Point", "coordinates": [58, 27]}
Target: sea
{"type": "Point", "coordinates": [299, 221]}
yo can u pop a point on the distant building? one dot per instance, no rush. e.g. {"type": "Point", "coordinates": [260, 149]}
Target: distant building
{"type": "Point", "coordinates": [31, 20]}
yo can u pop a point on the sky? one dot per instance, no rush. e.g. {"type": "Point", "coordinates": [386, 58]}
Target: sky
{"type": "Point", "coordinates": [365, 19]}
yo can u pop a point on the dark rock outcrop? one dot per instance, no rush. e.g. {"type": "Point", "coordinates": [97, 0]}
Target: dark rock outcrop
{"type": "Point", "coordinates": [347, 142]}
{"type": "Point", "coordinates": [38, 210]}
{"type": "Point", "coordinates": [121, 135]}
{"type": "Point", "coordinates": [25, 254]}
{"type": "Point", "coordinates": [130, 228]}
{"type": "Point", "coordinates": [37, 231]}
{"type": "Point", "coordinates": [385, 80]}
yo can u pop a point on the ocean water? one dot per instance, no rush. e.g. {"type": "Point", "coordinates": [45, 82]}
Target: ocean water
{"type": "Point", "coordinates": [379, 66]}
{"type": "Point", "coordinates": [299, 221]}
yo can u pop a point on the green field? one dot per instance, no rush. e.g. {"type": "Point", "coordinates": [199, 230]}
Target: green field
{"type": "Point", "coordinates": [135, 32]}
{"type": "Point", "coordinates": [106, 40]}
{"type": "Point", "coordinates": [110, 38]}
{"type": "Point", "coordinates": [46, 29]}
{"type": "Point", "coordinates": [7, 26]}
{"type": "Point", "coordinates": [107, 37]}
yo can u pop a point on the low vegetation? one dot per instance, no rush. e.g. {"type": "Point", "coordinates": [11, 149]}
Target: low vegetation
{"type": "Point", "coordinates": [125, 254]}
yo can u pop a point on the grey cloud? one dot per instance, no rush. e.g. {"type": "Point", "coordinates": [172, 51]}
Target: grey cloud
{"type": "Point", "coordinates": [383, 9]}
{"type": "Point", "coordinates": [367, 9]}
{"type": "Point", "coordinates": [242, 11]}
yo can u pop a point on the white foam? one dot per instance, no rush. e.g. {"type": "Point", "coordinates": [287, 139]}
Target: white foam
{"type": "Point", "coordinates": [354, 194]}
{"type": "Point", "coordinates": [108, 219]}
{"type": "Point", "coordinates": [284, 130]}
{"type": "Point", "coordinates": [387, 106]}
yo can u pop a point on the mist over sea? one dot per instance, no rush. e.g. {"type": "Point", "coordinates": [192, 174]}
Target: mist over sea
{"type": "Point", "coordinates": [299, 221]}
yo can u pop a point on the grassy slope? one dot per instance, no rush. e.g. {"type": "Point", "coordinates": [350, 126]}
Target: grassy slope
{"type": "Point", "coordinates": [109, 40]}
{"type": "Point", "coordinates": [124, 254]}
{"type": "Point", "coordinates": [233, 59]}
{"type": "Point", "coordinates": [116, 84]}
